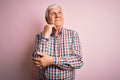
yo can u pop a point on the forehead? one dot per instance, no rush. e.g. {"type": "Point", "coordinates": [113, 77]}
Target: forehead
{"type": "Point", "coordinates": [55, 9]}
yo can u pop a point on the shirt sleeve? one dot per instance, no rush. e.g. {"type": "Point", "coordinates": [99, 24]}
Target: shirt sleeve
{"type": "Point", "coordinates": [74, 61]}
{"type": "Point", "coordinates": [41, 43]}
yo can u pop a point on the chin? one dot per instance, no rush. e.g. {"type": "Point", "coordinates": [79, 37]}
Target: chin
{"type": "Point", "coordinates": [59, 24]}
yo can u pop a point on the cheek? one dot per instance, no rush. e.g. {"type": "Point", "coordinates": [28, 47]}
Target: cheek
{"type": "Point", "coordinates": [50, 20]}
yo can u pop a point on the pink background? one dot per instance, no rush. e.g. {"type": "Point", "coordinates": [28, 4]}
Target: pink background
{"type": "Point", "coordinates": [96, 21]}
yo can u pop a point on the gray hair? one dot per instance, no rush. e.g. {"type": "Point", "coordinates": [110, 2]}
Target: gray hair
{"type": "Point", "coordinates": [49, 7]}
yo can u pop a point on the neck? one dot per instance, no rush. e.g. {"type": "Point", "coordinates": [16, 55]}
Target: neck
{"type": "Point", "coordinates": [59, 28]}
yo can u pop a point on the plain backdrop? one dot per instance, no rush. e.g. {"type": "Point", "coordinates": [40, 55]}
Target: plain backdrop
{"type": "Point", "coordinates": [96, 21]}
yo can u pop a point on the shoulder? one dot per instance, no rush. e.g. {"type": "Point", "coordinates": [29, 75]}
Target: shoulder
{"type": "Point", "coordinates": [39, 35]}
{"type": "Point", "coordinates": [70, 31]}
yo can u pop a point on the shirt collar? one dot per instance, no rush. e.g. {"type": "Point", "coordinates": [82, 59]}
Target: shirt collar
{"type": "Point", "coordinates": [52, 34]}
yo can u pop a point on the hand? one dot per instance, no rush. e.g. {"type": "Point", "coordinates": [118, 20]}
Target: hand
{"type": "Point", "coordinates": [48, 30]}
{"type": "Point", "coordinates": [45, 61]}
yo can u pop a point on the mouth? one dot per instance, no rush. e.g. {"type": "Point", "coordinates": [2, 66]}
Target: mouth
{"type": "Point", "coordinates": [58, 20]}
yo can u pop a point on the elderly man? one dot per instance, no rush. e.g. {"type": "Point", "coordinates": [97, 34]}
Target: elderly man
{"type": "Point", "coordinates": [58, 48]}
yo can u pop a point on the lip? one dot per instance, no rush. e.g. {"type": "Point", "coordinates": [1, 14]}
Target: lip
{"type": "Point", "coordinates": [58, 20]}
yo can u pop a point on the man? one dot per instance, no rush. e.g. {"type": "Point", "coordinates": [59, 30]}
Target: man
{"type": "Point", "coordinates": [59, 48]}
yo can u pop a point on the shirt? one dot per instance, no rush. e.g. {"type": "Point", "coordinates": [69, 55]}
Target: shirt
{"type": "Point", "coordinates": [66, 52]}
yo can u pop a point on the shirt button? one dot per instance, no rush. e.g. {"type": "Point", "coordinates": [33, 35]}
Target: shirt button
{"type": "Point", "coordinates": [58, 77]}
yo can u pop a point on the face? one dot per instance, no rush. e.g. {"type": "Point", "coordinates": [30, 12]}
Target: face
{"type": "Point", "coordinates": [55, 16]}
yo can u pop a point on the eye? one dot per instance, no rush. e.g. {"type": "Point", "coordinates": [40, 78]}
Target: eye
{"type": "Point", "coordinates": [60, 12]}
{"type": "Point", "coordinates": [53, 14]}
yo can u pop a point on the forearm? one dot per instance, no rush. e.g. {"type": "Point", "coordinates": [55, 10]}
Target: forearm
{"type": "Point", "coordinates": [67, 63]}
{"type": "Point", "coordinates": [43, 43]}
{"type": "Point", "coordinates": [73, 61]}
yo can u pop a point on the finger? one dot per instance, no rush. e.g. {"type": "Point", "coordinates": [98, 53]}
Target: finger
{"type": "Point", "coordinates": [54, 27]}
{"type": "Point", "coordinates": [36, 62]}
{"type": "Point", "coordinates": [53, 24]}
{"type": "Point", "coordinates": [41, 54]}
{"type": "Point", "coordinates": [35, 58]}
{"type": "Point", "coordinates": [39, 66]}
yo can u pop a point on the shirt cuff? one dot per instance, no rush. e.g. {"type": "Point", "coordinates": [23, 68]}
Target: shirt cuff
{"type": "Point", "coordinates": [56, 61]}
{"type": "Point", "coordinates": [43, 39]}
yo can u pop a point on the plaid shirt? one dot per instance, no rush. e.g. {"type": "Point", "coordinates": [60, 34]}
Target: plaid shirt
{"type": "Point", "coordinates": [66, 52]}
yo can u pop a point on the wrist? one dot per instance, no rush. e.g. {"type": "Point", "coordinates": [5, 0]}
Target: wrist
{"type": "Point", "coordinates": [46, 35]}
{"type": "Point", "coordinates": [52, 60]}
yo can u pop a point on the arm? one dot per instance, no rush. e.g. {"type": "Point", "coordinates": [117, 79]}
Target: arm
{"type": "Point", "coordinates": [41, 59]}
{"type": "Point", "coordinates": [43, 43]}
{"type": "Point", "coordinates": [66, 63]}
{"type": "Point", "coordinates": [75, 60]}
{"type": "Point", "coordinates": [41, 46]}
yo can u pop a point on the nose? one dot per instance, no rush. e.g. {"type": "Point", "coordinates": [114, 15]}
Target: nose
{"type": "Point", "coordinates": [56, 15]}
